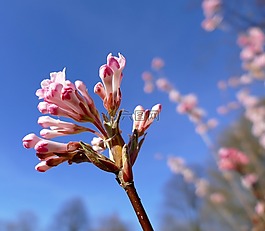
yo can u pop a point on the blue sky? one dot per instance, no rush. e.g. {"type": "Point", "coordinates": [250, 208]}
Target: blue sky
{"type": "Point", "coordinates": [39, 37]}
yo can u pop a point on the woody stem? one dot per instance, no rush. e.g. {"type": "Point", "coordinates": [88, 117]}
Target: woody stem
{"type": "Point", "coordinates": [138, 207]}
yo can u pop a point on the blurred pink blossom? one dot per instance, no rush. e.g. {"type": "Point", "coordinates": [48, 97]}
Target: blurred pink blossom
{"type": "Point", "coordinates": [249, 180]}
{"type": "Point", "coordinates": [210, 7]}
{"type": "Point", "coordinates": [217, 198]}
{"type": "Point", "coordinates": [163, 85]}
{"type": "Point", "coordinates": [260, 208]}
{"type": "Point", "coordinates": [210, 24]}
{"type": "Point", "coordinates": [187, 104]}
{"type": "Point", "coordinates": [157, 63]}
{"type": "Point", "coordinates": [231, 159]}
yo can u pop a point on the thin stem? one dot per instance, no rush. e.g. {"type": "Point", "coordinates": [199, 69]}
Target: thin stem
{"type": "Point", "coordinates": [138, 207]}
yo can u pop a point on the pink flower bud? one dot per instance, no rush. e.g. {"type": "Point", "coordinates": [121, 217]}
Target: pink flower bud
{"type": "Point", "coordinates": [111, 75]}
{"type": "Point", "coordinates": [30, 140]}
{"type": "Point", "coordinates": [81, 87]}
{"type": "Point", "coordinates": [100, 91]}
{"type": "Point", "coordinates": [144, 118]}
{"type": "Point", "coordinates": [106, 75]}
{"type": "Point", "coordinates": [50, 146]}
{"type": "Point", "coordinates": [42, 166]}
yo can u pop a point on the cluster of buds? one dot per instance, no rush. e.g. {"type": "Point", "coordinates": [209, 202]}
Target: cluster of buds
{"type": "Point", "coordinates": [185, 104]}
{"type": "Point", "coordinates": [65, 99]}
{"type": "Point", "coordinates": [211, 10]}
{"type": "Point", "coordinates": [253, 54]}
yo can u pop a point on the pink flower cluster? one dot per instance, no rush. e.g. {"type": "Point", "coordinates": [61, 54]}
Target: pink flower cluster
{"type": "Point", "coordinates": [211, 10]}
{"type": "Point", "coordinates": [65, 99]}
{"type": "Point", "coordinates": [253, 55]}
{"type": "Point", "coordinates": [232, 159]}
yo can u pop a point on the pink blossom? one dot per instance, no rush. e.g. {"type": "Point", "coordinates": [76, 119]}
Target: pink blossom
{"type": "Point", "coordinates": [245, 79]}
{"type": "Point", "coordinates": [259, 61]}
{"type": "Point", "coordinates": [210, 24]}
{"type": "Point", "coordinates": [176, 164]}
{"type": "Point", "coordinates": [262, 140]}
{"type": "Point", "coordinates": [242, 40]}
{"type": "Point", "coordinates": [157, 63]}
{"type": "Point", "coordinates": [249, 180]}
{"type": "Point", "coordinates": [257, 35]}
{"type": "Point", "coordinates": [142, 119]}
{"type": "Point", "coordinates": [247, 54]}
{"type": "Point", "coordinates": [163, 85]}
{"type": "Point", "coordinates": [210, 7]}
{"type": "Point", "coordinates": [201, 129]}
{"type": "Point", "coordinates": [148, 87]}
{"type": "Point", "coordinates": [246, 99]}
{"type": "Point", "coordinates": [188, 175]}
{"type": "Point", "coordinates": [147, 76]}
{"type": "Point", "coordinates": [260, 208]}
{"type": "Point", "coordinates": [174, 96]}
{"type": "Point", "coordinates": [196, 114]}
{"type": "Point", "coordinates": [212, 123]}
{"type": "Point", "coordinates": [187, 104]}
{"type": "Point", "coordinates": [231, 159]}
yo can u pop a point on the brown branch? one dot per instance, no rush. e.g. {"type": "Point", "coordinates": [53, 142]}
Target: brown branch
{"type": "Point", "coordinates": [138, 207]}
